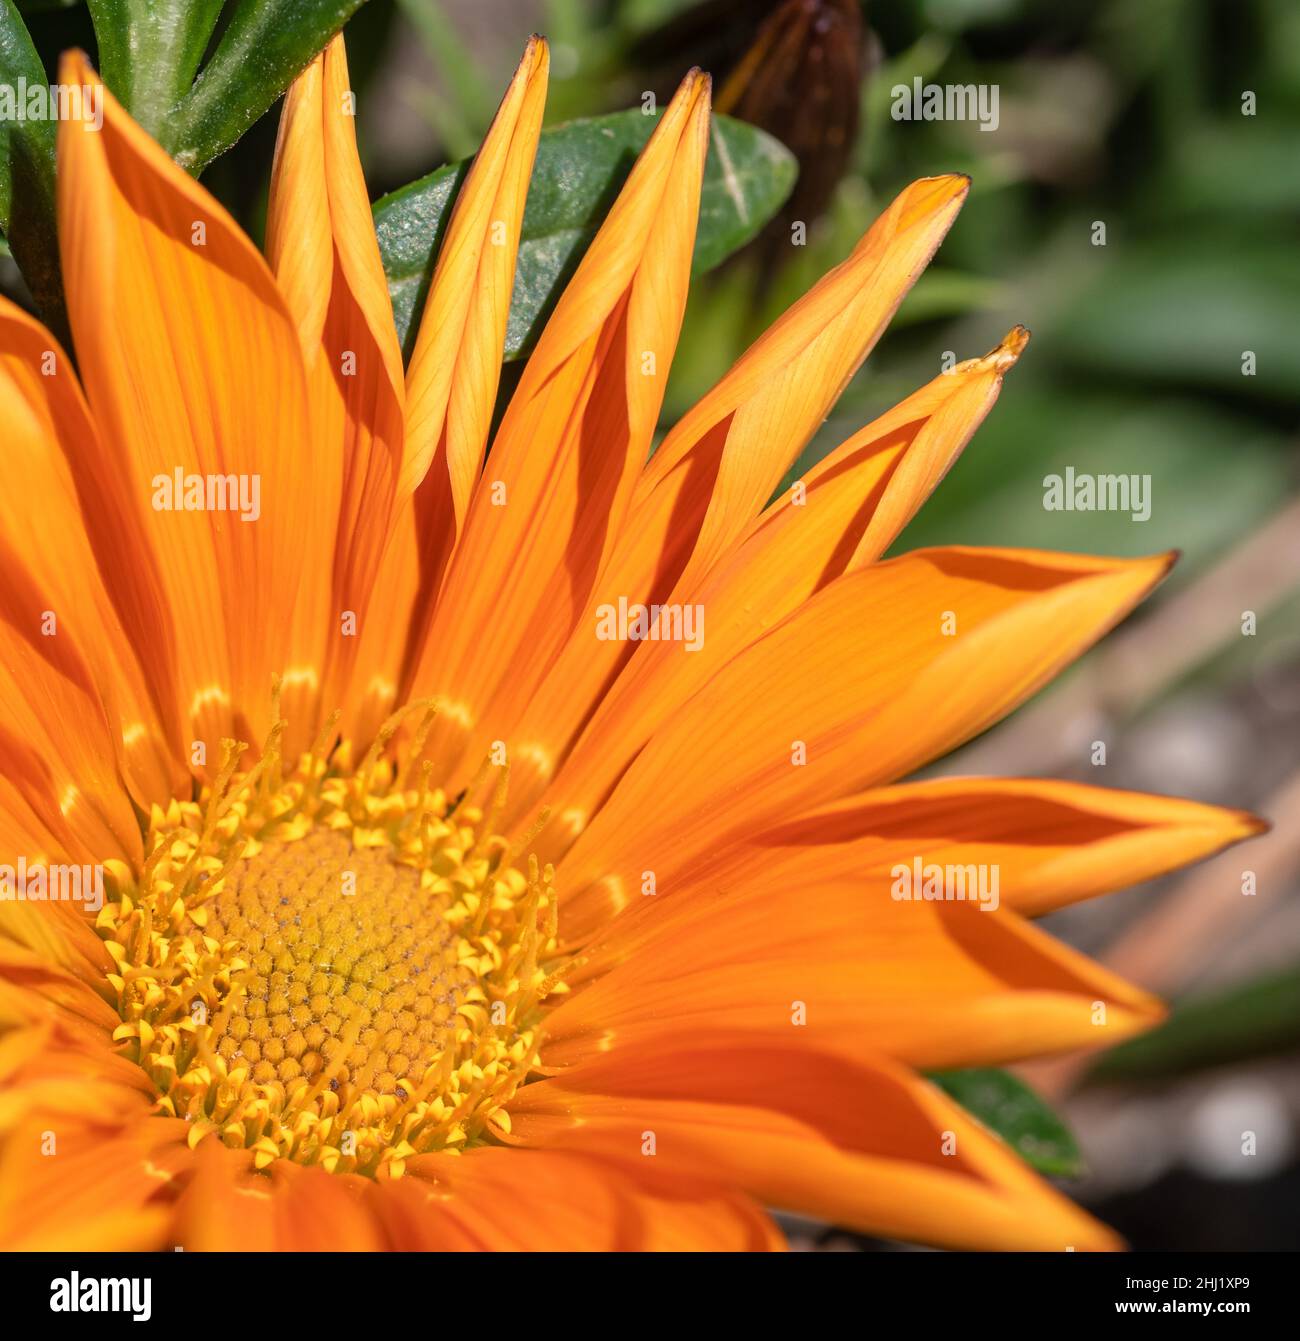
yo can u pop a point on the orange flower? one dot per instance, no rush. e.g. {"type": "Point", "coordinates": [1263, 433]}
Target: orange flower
{"type": "Point", "coordinates": [353, 988]}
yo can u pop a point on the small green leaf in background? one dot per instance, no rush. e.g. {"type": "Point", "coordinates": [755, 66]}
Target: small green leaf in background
{"type": "Point", "coordinates": [266, 44]}
{"type": "Point", "coordinates": [1010, 1108]}
{"type": "Point", "coordinates": [27, 172]}
{"type": "Point", "coordinates": [579, 169]}
{"type": "Point", "coordinates": [1258, 1018]}
{"type": "Point", "coordinates": [149, 51]}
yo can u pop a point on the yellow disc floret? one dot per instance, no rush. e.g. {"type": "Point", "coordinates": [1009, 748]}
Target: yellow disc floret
{"type": "Point", "coordinates": [334, 967]}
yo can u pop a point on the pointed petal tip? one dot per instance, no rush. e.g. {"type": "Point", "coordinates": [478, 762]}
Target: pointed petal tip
{"type": "Point", "coordinates": [1153, 568]}
{"type": "Point", "coordinates": [690, 105]}
{"type": "Point", "coordinates": [696, 86]}
{"type": "Point", "coordinates": [537, 51]}
{"type": "Point", "coordinates": [76, 72]}
{"type": "Point", "coordinates": [1249, 825]}
{"type": "Point", "coordinates": [927, 197]}
{"type": "Point", "coordinates": [1006, 353]}
{"type": "Point", "coordinates": [73, 65]}
{"type": "Point", "coordinates": [1012, 346]}
{"type": "Point", "coordinates": [955, 185]}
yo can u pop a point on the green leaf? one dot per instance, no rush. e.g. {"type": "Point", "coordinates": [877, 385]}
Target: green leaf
{"type": "Point", "coordinates": [27, 171]}
{"type": "Point", "coordinates": [1256, 1019]}
{"type": "Point", "coordinates": [149, 51]}
{"type": "Point", "coordinates": [579, 169]}
{"type": "Point", "coordinates": [1010, 1108]}
{"type": "Point", "coordinates": [266, 44]}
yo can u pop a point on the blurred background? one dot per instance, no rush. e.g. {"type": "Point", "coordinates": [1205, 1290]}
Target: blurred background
{"type": "Point", "coordinates": [1176, 125]}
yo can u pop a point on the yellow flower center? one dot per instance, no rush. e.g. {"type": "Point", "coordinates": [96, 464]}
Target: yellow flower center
{"type": "Point", "coordinates": [337, 934]}
{"type": "Point", "coordinates": [337, 967]}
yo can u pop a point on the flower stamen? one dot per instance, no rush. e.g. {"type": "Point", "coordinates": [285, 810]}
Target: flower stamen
{"type": "Point", "coordinates": [339, 968]}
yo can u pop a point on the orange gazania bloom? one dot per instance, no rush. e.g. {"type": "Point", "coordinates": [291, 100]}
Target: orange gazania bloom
{"type": "Point", "coordinates": [349, 987]}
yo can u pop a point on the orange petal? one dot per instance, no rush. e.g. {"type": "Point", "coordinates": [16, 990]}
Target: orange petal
{"type": "Point", "coordinates": [300, 249]}
{"type": "Point", "coordinates": [59, 1062]}
{"type": "Point", "coordinates": [931, 983]}
{"type": "Point", "coordinates": [726, 455]}
{"type": "Point", "coordinates": [54, 586]}
{"type": "Point", "coordinates": [519, 1201]}
{"type": "Point", "coordinates": [82, 1011]}
{"type": "Point", "coordinates": [56, 933]}
{"type": "Point", "coordinates": [317, 1211]}
{"type": "Point", "coordinates": [104, 1189]}
{"type": "Point", "coordinates": [299, 229]}
{"type": "Point", "coordinates": [21, 830]}
{"type": "Point", "coordinates": [322, 246]}
{"type": "Point", "coordinates": [456, 364]}
{"type": "Point", "coordinates": [409, 573]}
{"type": "Point", "coordinates": [869, 1147]}
{"type": "Point", "coordinates": [883, 670]}
{"type": "Point", "coordinates": [451, 390]}
{"type": "Point", "coordinates": [190, 364]}
{"type": "Point", "coordinates": [842, 517]}
{"type": "Point", "coordinates": [714, 471]}
{"type": "Point", "coordinates": [226, 1207]}
{"type": "Point", "coordinates": [57, 745]}
{"type": "Point", "coordinates": [572, 442]}
{"type": "Point", "coordinates": [1054, 843]}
